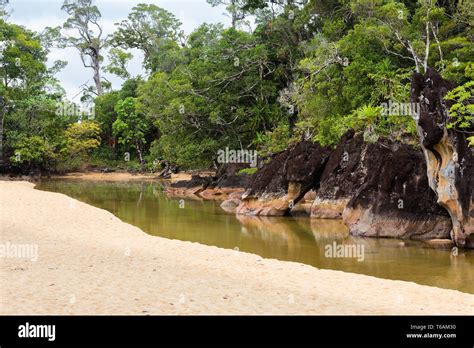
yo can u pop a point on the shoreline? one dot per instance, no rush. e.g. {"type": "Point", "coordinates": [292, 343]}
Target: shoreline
{"type": "Point", "coordinates": [90, 262]}
{"type": "Point", "coordinates": [113, 176]}
{"type": "Point", "coordinates": [84, 176]}
{"type": "Point", "coordinates": [108, 177]}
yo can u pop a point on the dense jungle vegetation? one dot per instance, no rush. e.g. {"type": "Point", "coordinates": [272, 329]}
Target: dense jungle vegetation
{"type": "Point", "coordinates": [284, 71]}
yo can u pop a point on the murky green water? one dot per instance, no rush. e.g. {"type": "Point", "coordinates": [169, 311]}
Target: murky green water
{"type": "Point", "coordinates": [293, 239]}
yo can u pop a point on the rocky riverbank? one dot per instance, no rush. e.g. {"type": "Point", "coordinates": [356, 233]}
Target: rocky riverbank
{"type": "Point", "coordinates": [225, 184]}
{"type": "Point", "coordinates": [381, 189]}
{"type": "Point", "coordinates": [449, 159]}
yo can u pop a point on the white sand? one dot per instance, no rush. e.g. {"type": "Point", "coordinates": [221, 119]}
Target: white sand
{"type": "Point", "coordinates": [90, 262]}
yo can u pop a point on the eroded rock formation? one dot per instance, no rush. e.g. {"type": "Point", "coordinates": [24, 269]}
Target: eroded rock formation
{"type": "Point", "coordinates": [394, 199]}
{"type": "Point", "coordinates": [380, 190]}
{"type": "Point", "coordinates": [450, 163]}
{"type": "Point", "coordinates": [342, 175]}
{"type": "Point", "coordinates": [384, 189]}
{"type": "Point", "coordinates": [280, 184]}
{"type": "Point", "coordinates": [219, 187]}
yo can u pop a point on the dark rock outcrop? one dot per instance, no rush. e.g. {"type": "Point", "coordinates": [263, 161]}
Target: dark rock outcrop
{"type": "Point", "coordinates": [167, 169]}
{"type": "Point", "coordinates": [380, 190]}
{"type": "Point", "coordinates": [189, 188]}
{"type": "Point", "coordinates": [343, 174]}
{"type": "Point", "coordinates": [393, 198]}
{"type": "Point", "coordinates": [280, 184]}
{"type": "Point", "coordinates": [218, 187]}
{"type": "Point", "coordinates": [228, 176]}
{"type": "Point", "coordinates": [196, 181]}
{"type": "Point", "coordinates": [449, 160]}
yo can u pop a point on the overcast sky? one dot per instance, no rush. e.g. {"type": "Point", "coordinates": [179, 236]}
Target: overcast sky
{"type": "Point", "coordinates": [37, 14]}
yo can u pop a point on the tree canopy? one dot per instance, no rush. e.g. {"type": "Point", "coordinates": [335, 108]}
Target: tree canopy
{"type": "Point", "coordinates": [284, 71]}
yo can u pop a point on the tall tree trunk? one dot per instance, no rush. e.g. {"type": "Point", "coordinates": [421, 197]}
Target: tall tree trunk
{"type": "Point", "coordinates": [3, 111]}
{"type": "Point", "coordinates": [427, 46]}
{"type": "Point", "coordinates": [234, 14]}
{"type": "Point", "coordinates": [140, 156]}
{"type": "Point", "coordinates": [97, 79]}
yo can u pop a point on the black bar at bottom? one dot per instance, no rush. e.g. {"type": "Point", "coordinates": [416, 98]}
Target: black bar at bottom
{"type": "Point", "coordinates": [329, 330]}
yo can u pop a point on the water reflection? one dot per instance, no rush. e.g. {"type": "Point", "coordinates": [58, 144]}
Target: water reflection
{"type": "Point", "coordinates": [293, 239]}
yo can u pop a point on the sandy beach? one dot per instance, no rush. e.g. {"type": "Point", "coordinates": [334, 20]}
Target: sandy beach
{"type": "Point", "coordinates": [125, 176]}
{"type": "Point", "coordinates": [117, 176]}
{"type": "Point", "coordinates": [90, 262]}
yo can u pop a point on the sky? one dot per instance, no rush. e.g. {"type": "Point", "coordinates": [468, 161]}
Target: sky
{"type": "Point", "coordinates": [36, 15]}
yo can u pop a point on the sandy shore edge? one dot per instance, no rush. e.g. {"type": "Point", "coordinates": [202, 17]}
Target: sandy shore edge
{"type": "Point", "coordinates": [125, 176]}
{"type": "Point", "coordinates": [90, 262]}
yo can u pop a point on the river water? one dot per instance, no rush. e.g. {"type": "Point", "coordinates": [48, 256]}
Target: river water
{"type": "Point", "coordinates": [311, 241]}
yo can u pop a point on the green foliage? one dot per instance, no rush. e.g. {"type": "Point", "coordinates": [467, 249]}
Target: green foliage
{"type": "Point", "coordinates": [81, 138]}
{"type": "Point", "coordinates": [32, 150]}
{"type": "Point", "coordinates": [105, 113]}
{"type": "Point", "coordinates": [30, 126]}
{"type": "Point", "coordinates": [188, 152]}
{"type": "Point", "coordinates": [221, 96]}
{"type": "Point", "coordinates": [275, 141]}
{"type": "Point", "coordinates": [155, 32]}
{"type": "Point", "coordinates": [118, 63]}
{"type": "Point", "coordinates": [130, 126]}
{"type": "Point", "coordinates": [353, 66]}
{"type": "Point", "coordinates": [371, 120]}
{"type": "Point", "coordinates": [471, 140]}
{"type": "Point", "coordinates": [23, 58]}
{"type": "Point", "coordinates": [330, 129]}
{"type": "Point", "coordinates": [248, 171]}
{"type": "Point", "coordinates": [462, 111]}
{"type": "Point", "coordinates": [84, 20]}
{"type": "Point", "coordinates": [308, 70]}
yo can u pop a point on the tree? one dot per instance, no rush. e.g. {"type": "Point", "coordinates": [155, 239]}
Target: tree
{"type": "Point", "coordinates": [23, 77]}
{"type": "Point", "coordinates": [33, 151]}
{"type": "Point", "coordinates": [131, 127]}
{"type": "Point", "coordinates": [105, 115]}
{"type": "Point", "coordinates": [364, 55]}
{"type": "Point", "coordinates": [309, 70]}
{"type": "Point", "coordinates": [234, 7]}
{"type": "Point", "coordinates": [84, 20]}
{"type": "Point", "coordinates": [81, 138]}
{"type": "Point", "coordinates": [405, 34]}
{"type": "Point", "coordinates": [461, 111]}
{"type": "Point", "coordinates": [155, 32]}
{"type": "Point", "coordinates": [221, 97]}
{"type": "Point", "coordinates": [118, 63]}
{"type": "Point", "coordinates": [3, 11]}
{"type": "Point", "coordinates": [3, 112]}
